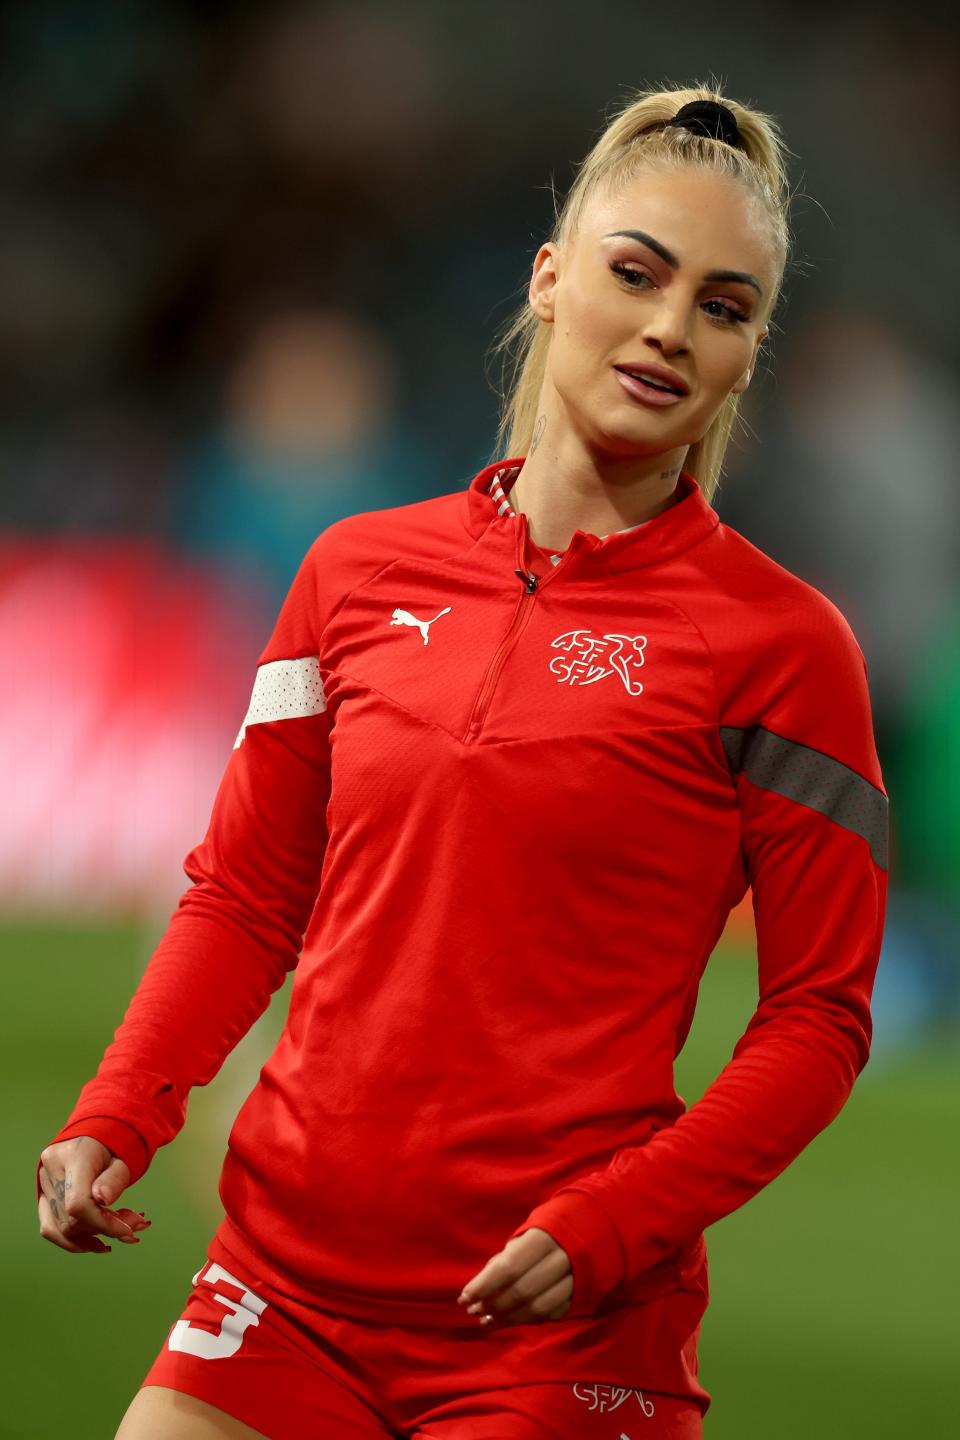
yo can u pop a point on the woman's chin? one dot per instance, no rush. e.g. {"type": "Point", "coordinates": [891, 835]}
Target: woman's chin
{"type": "Point", "coordinates": [637, 439]}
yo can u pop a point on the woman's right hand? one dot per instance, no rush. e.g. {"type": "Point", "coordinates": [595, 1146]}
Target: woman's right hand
{"type": "Point", "coordinates": [79, 1179]}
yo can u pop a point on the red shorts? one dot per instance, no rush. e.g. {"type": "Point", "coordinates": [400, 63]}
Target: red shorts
{"type": "Point", "coordinates": [293, 1372]}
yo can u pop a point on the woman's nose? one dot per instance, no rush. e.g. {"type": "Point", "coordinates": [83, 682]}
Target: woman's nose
{"type": "Point", "coordinates": [669, 327]}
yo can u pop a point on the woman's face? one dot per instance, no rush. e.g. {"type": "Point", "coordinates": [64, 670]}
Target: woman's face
{"type": "Point", "coordinates": [616, 300]}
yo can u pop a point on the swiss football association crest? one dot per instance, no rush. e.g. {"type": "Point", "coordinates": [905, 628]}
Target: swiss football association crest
{"type": "Point", "coordinates": [610, 1397]}
{"type": "Point", "coordinates": [586, 658]}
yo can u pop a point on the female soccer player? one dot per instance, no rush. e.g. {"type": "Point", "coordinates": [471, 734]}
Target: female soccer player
{"type": "Point", "coordinates": [512, 755]}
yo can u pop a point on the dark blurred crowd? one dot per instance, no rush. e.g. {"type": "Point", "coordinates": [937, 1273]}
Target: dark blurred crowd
{"type": "Point", "coordinates": [253, 257]}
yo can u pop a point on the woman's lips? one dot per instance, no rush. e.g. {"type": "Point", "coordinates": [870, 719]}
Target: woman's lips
{"type": "Point", "coordinates": [649, 394]}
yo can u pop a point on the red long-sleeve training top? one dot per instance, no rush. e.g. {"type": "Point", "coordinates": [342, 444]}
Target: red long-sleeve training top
{"type": "Point", "coordinates": [510, 803]}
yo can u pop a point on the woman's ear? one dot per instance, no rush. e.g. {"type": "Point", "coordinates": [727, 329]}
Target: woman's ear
{"type": "Point", "coordinates": [744, 380]}
{"type": "Point", "coordinates": [543, 281]}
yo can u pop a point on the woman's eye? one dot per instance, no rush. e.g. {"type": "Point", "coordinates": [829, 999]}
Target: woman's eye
{"type": "Point", "coordinates": [728, 311]}
{"type": "Point", "coordinates": [636, 274]}
{"type": "Point", "coordinates": [629, 278]}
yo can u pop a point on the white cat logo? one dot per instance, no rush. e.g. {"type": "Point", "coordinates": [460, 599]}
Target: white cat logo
{"type": "Point", "coordinates": [589, 658]}
{"type": "Point", "coordinates": [403, 617]}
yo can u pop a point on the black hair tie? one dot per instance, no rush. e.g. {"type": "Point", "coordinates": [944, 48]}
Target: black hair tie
{"type": "Point", "coordinates": [709, 118]}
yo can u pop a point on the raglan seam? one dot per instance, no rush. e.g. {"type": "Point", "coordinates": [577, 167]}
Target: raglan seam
{"type": "Point", "coordinates": [399, 705]}
{"type": "Point", "coordinates": [710, 655]}
{"type": "Point", "coordinates": [368, 580]}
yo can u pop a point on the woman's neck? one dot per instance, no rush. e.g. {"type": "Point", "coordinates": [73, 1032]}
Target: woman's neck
{"type": "Point", "coordinates": [558, 501]}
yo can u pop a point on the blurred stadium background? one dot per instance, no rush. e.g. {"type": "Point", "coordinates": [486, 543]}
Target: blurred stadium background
{"type": "Point", "coordinates": [252, 258]}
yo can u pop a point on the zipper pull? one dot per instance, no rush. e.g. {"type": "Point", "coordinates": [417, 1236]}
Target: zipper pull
{"type": "Point", "coordinates": [529, 580]}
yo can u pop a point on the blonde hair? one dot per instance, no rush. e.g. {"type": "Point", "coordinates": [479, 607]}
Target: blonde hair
{"type": "Point", "coordinates": [635, 142]}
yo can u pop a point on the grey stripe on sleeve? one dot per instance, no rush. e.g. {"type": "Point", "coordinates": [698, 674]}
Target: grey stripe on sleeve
{"type": "Point", "coordinates": [801, 773]}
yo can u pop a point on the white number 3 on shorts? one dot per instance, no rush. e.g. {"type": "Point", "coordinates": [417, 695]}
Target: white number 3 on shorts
{"type": "Point", "coordinates": [239, 1315]}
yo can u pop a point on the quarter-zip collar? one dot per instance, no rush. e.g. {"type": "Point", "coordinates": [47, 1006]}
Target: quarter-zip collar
{"type": "Point", "coordinates": [690, 519]}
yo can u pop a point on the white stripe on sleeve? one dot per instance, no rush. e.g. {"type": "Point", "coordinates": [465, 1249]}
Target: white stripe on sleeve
{"type": "Point", "coordinates": [283, 690]}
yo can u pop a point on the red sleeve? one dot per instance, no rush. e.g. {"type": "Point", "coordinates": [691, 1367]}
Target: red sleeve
{"type": "Point", "coordinates": [238, 930]}
{"type": "Point", "coordinates": [814, 847]}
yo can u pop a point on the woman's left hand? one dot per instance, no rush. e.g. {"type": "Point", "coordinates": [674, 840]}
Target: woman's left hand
{"type": "Point", "coordinates": [528, 1280]}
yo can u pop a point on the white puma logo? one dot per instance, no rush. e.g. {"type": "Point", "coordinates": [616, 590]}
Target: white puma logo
{"type": "Point", "coordinates": [403, 617]}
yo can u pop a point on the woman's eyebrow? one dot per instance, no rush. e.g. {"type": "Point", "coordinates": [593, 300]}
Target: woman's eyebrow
{"type": "Point", "coordinates": [742, 275]}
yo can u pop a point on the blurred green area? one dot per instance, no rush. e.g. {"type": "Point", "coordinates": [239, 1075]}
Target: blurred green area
{"type": "Point", "coordinates": [832, 1310]}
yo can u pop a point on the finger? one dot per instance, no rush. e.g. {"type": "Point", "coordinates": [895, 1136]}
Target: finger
{"type": "Point", "coordinates": [86, 1214]}
{"type": "Point", "coordinates": [550, 1304]}
{"type": "Point", "coordinates": [83, 1170]}
{"type": "Point", "coordinates": [493, 1280]}
{"type": "Point", "coordinates": [499, 1270]}
{"type": "Point", "coordinates": [54, 1205]}
{"type": "Point", "coordinates": [112, 1182]}
{"type": "Point", "coordinates": [135, 1219]}
{"type": "Point", "coordinates": [74, 1226]}
{"type": "Point", "coordinates": [518, 1255]}
{"type": "Point", "coordinates": [50, 1230]}
{"type": "Point", "coordinates": [539, 1277]}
